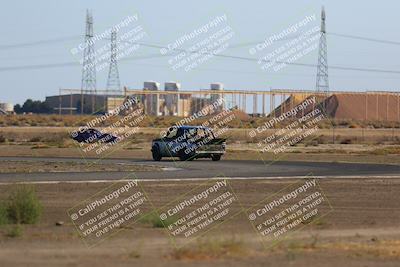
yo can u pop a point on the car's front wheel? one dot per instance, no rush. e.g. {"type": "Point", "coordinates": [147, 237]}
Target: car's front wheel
{"type": "Point", "coordinates": [156, 153]}
{"type": "Point", "coordinates": [215, 157]}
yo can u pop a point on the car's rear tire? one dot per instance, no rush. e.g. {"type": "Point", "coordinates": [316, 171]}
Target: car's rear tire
{"type": "Point", "coordinates": [156, 153]}
{"type": "Point", "coordinates": [215, 157]}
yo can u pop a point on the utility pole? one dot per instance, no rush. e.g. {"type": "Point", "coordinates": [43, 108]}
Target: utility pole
{"type": "Point", "coordinates": [113, 82]}
{"type": "Point", "coordinates": [322, 84]}
{"type": "Point", "coordinates": [89, 64]}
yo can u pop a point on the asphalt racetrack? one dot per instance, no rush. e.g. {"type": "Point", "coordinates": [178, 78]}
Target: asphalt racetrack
{"type": "Point", "coordinates": [240, 169]}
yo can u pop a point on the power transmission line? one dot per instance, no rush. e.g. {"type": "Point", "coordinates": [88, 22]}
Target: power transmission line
{"type": "Point", "coordinates": [51, 65]}
{"type": "Point", "coordinates": [364, 38]}
{"type": "Point", "coordinates": [41, 42]}
{"type": "Point", "coordinates": [267, 61]}
{"type": "Point", "coordinates": [65, 64]}
{"type": "Point", "coordinates": [40, 66]}
{"type": "Point", "coordinates": [244, 44]}
{"type": "Point", "coordinates": [74, 64]}
{"type": "Point", "coordinates": [328, 33]}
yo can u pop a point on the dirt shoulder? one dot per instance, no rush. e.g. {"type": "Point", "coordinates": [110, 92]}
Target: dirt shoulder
{"type": "Point", "coordinates": [348, 153]}
{"type": "Point", "coordinates": [21, 166]}
{"type": "Point", "coordinates": [362, 229]}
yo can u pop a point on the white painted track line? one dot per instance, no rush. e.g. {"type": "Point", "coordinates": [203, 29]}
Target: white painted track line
{"type": "Point", "coordinates": [203, 179]}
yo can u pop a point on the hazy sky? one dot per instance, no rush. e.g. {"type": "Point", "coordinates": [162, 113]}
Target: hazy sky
{"type": "Point", "coordinates": [165, 21]}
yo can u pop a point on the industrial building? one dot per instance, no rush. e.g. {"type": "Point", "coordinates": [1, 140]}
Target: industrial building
{"type": "Point", "coordinates": [71, 103]}
{"type": "Point", "coordinates": [169, 102]}
{"type": "Point", "coordinates": [6, 108]}
{"type": "Point", "coordinates": [172, 101]}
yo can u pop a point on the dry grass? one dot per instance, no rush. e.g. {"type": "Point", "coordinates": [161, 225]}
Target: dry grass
{"type": "Point", "coordinates": [387, 249]}
{"type": "Point", "coordinates": [59, 136]}
{"type": "Point", "coordinates": [386, 150]}
{"type": "Point", "coordinates": [240, 121]}
{"type": "Point", "coordinates": [295, 245]}
{"type": "Point", "coordinates": [38, 166]}
{"type": "Point", "coordinates": [40, 146]}
{"type": "Point", "coordinates": [379, 249]}
{"type": "Point", "coordinates": [206, 249]}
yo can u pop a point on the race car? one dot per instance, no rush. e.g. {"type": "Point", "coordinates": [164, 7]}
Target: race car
{"type": "Point", "coordinates": [188, 143]}
{"type": "Point", "coordinates": [90, 135]}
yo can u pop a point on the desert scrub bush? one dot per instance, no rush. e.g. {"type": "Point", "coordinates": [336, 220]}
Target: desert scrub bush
{"type": "Point", "coordinates": [155, 221]}
{"type": "Point", "coordinates": [40, 146]}
{"type": "Point", "coordinates": [322, 139]}
{"type": "Point", "coordinates": [347, 141]}
{"type": "Point", "coordinates": [2, 139]}
{"type": "Point", "coordinates": [55, 138]}
{"type": "Point", "coordinates": [342, 123]}
{"type": "Point", "coordinates": [35, 139]}
{"type": "Point", "coordinates": [23, 205]}
{"type": "Point", "coordinates": [386, 151]}
{"type": "Point", "coordinates": [354, 125]}
{"type": "Point", "coordinates": [211, 249]}
{"type": "Point", "coordinates": [311, 142]}
{"type": "Point", "coordinates": [15, 231]}
{"type": "Point", "coordinates": [3, 214]}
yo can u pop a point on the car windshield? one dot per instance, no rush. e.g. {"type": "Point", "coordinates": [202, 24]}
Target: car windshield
{"type": "Point", "coordinates": [191, 132]}
{"type": "Point", "coordinates": [203, 133]}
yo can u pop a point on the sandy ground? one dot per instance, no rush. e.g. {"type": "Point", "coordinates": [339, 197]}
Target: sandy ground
{"type": "Point", "coordinates": [23, 166]}
{"type": "Point", "coordinates": [324, 153]}
{"type": "Point", "coordinates": [361, 229]}
{"type": "Point", "coordinates": [361, 145]}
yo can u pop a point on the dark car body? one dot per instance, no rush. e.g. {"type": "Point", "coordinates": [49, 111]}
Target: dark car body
{"type": "Point", "coordinates": [188, 143]}
{"type": "Point", "coordinates": [91, 135]}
